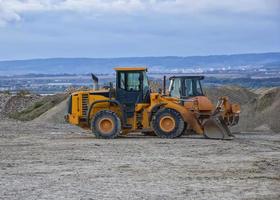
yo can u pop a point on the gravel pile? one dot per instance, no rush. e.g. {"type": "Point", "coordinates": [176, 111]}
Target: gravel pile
{"type": "Point", "coordinates": [4, 98]}
{"type": "Point", "coordinates": [236, 94]}
{"type": "Point", "coordinates": [259, 108]}
{"type": "Point", "coordinates": [20, 102]}
{"type": "Point", "coordinates": [54, 115]}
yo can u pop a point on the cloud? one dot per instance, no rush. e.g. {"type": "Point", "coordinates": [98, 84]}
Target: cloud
{"type": "Point", "coordinates": [14, 10]}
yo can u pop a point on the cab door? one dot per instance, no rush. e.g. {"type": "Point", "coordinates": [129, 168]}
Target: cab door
{"type": "Point", "coordinates": [129, 90]}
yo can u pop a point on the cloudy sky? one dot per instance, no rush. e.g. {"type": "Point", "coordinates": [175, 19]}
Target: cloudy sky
{"type": "Point", "coordinates": [121, 28]}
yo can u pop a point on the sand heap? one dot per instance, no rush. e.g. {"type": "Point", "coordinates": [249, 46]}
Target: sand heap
{"type": "Point", "coordinates": [236, 94]}
{"type": "Point", "coordinates": [16, 103]}
{"type": "Point", "coordinates": [26, 107]}
{"type": "Point", "coordinates": [4, 98]}
{"type": "Point", "coordinates": [267, 109]}
{"type": "Point", "coordinates": [54, 115]}
{"type": "Point", "coordinates": [259, 108]}
{"type": "Point", "coordinates": [20, 102]}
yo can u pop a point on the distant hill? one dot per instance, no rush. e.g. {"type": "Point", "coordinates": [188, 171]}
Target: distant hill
{"type": "Point", "coordinates": [156, 64]}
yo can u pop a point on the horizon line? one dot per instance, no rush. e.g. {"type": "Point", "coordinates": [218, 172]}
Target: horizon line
{"type": "Point", "coordinates": [123, 57]}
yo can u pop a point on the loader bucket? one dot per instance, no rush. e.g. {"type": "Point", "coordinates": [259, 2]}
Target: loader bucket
{"type": "Point", "coordinates": [215, 128]}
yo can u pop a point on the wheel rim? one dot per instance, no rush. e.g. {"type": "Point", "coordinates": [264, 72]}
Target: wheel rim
{"type": "Point", "coordinates": [106, 125]}
{"type": "Point", "coordinates": [167, 123]}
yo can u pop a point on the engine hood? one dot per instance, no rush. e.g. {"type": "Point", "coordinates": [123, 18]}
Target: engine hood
{"type": "Point", "coordinates": [202, 103]}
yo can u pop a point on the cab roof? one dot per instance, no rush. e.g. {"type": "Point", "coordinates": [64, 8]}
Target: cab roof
{"type": "Point", "coordinates": [130, 69]}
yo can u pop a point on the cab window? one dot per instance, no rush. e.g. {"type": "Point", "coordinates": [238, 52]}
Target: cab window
{"type": "Point", "coordinates": [130, 81]}
{"type": "Point", "coordinates": [146, 86]}
{"type": "Point", "coordinates": [175, 88]}
{"type": "Point", "coordinates": [193, 87]}
{"type": "Point", "coordinates": [122, 81]}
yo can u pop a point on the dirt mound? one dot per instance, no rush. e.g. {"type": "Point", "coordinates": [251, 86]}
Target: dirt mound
{"type": "Point", "coordinates": [268, 106]}
{"type": "Point", "coordinates": [259, 108]}
{"type": "Point", "coordinates": [236, 94]}
{"type": "Point", "coordinates": [54, 115]}
{"type": "Point", "coordinates": [16, 103]}
{"type": "Point", "coordinates": [268, 98]}
{"type": "Point", "coordinates": [262, 112]}
{"type": "Point", "coordinates": [38, 108]}
{"type": "Point", "coordinates": [4, 98]}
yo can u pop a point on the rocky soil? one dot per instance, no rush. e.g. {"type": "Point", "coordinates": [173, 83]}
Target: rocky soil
{"type": "Point", "coordinates": [51, 161]}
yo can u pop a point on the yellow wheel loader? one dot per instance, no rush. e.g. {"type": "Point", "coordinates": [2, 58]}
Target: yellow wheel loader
{"type": "Point", "coordinates": [132, 107]}
{"type": "Point", "coordinates": [215, 120]}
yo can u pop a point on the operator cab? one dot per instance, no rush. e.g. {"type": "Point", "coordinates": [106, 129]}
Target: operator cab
{"type": "Point", "coordinates": [185, 86]}
{"type": "Point", "coordinates": [131, 88]}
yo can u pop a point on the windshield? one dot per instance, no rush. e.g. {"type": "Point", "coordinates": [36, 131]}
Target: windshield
{"type": "Point", "coordinates": [130, 81]}
{"type": "Point", "coordinates": [192, 87]}
{"type": "Point", "coordinates": [184, 87]}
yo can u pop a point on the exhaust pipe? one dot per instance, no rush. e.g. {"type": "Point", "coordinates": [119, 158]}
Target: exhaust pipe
{"type": "Point", "coordinates": [95, 82]}
{"type": "Point", "coordinates": [164, 85]}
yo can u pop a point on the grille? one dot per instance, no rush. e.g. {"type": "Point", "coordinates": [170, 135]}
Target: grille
{"type": "Point", "coordinates": [84, 104]}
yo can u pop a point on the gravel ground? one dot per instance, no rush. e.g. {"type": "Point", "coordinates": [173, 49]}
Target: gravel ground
{"type": "Point", "coordinates": [45, 161]}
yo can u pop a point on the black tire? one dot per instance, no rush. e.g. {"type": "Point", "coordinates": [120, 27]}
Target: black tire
{"type": "Point", "coordinates": [109, 122]}
{"type": "Point", "coordinates": [175, 131]}
{"type": "Point", "coordinates": [184, 130]}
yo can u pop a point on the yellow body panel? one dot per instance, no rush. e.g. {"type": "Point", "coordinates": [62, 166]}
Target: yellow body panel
{"type": "Point", "coordinates": [74, 117]}
{"type": "Point", "coordinates": [77, 107]}
{"type": "Point", "coordinates": [142, 110]}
